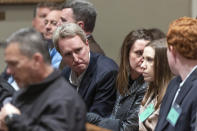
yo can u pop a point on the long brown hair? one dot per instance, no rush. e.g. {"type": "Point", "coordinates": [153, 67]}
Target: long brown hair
{"type": "Point", "coordinates": [124, 69]}
{"type": "Point", "coordinates": [162, 73]}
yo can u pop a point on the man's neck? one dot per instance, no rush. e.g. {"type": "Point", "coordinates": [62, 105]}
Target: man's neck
{"type": "Point", "coordinates": [186, 68]}
{"type": "Point", "coordinates": [45, 71]}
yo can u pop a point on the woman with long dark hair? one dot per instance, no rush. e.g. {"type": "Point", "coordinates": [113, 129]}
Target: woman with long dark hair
{"type": "Point", "coordinates": [130, 85]}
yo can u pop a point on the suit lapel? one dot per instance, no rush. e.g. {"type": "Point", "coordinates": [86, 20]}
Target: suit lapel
{"type": "Point", "coordinates": [66, 73]}
{"type": "Point", "coordinates": [183, 92]}
{"type": "Point", "coordinates": [167, 102]}
{"type": "Point", "coordinates": [87, 78]}
{"type": "Point", "coordinates": [186, 87]}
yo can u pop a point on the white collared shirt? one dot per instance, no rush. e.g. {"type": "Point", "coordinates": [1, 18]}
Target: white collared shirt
{"type": "Point", "coordinates": [74, 80]}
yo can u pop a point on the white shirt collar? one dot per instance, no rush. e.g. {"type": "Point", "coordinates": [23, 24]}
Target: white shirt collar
{"type": "Point", "coordinates": [74, 80]}
{"type": "Point", "coordinates": [194, 68]}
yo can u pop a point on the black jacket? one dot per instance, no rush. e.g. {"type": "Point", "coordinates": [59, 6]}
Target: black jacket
{"type": "Point", "coordinates": [125, 113]}
{"type": "Point", "coordinates": [187, 101]}
{"type": "Point", "coordinates": [6, 91]}
{"type": "Point", "coordinates": [52, 105]}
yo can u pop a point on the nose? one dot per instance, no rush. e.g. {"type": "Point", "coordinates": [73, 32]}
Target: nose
{"type": "Point", "coordinates": [59, 23]}
{"type": "Point", "coordinates": [48, 27]}
{"type": "Point", "coordinates": [143, 65]}
{"type": "Point", "coordinates": [141, 58]}
{"type": "Point", "coordinates": [75, 57]}
{"type": "Point", "coordinates": [8, 71]}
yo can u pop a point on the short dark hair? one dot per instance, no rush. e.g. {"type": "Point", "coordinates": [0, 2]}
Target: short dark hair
{"type": "Point", "coordinates": [50, 5]}
{"type": "Point", "coordinates": [83, 11]}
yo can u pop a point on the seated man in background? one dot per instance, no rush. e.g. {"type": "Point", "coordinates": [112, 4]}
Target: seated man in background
{"type": "Point", "coordinates": [46, 16]}
{"type": "Point", "coordinates": [39, 14]}
{"type": "Point", "coordinates": [179, 105]}
{"type": "Point", "coordinates": [84, 14]}
{"type": "Point", "coordinates": [45, 102]}
{"type": "Point", "coordinates": [51, 23]}
{"type": "Point", "coordinates": [92, 74]}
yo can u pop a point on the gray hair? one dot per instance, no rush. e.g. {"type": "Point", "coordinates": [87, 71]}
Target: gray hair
{"type": "Point", "coordinates": [30, 42]}
{"type": "Point", "coordinates": [68, 30]}
{"type": "Point", "coordinates": [83, 11]}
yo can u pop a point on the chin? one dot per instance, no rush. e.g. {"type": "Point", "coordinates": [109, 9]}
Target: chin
{"type": "Point", "coordinates": [140, 71]}
{"type": "Point", "coordinates": [148, 80]}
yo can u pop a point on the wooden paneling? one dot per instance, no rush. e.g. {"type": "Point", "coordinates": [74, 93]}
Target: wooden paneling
{"type": "Point", "coordinates": [27, 1]}
{"type": "Point", "coordinates": [91, 127]}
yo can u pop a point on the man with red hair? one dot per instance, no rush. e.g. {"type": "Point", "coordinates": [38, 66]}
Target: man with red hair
{"type": "Point", "coordinates": [179, 106]}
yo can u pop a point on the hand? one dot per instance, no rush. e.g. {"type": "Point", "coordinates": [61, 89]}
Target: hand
{"type": "Point", "coordinates": [93, 118]}
{"type": "Point", "coordinates": [5, 110]}
{"type": "Point", "coordinates": [3, 126]}
{"type": "Point", "coordinates": [8, 109]}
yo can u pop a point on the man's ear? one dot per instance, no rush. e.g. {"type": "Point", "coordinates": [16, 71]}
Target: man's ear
{"type": "Point", "coordinates": [38, 59]}
{"type": "Point", "coordinates": [87, 42]}
{"type": "Point", "coordinates": [172, 50]}
{"type": "Point", "coordinates": [81, 24]}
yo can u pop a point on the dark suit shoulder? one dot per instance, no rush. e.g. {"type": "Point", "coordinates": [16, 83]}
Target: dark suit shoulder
{"type": "Point", "coordinates": [65, 72]}
{"type": "Point", "coordinates": [94, 46]}
{"type": "Point", "coordinates": [173, 83]}
{"type": "Point", "coordinates": [104, 62]}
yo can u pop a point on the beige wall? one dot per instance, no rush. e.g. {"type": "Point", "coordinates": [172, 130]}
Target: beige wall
{"type": "Point", "coordinates": [116, 18]}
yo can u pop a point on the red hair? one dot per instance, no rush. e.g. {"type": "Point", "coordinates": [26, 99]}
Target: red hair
{"type": "Point", "coordinates": [182, 35]}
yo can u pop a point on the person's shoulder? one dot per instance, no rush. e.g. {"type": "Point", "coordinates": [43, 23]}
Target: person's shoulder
{"type": "Point", "coordinates": [5, 85]}
{"type": "Point", "coordinates": [61, 88]}
{"type": "Point", "coordinates": [65, 72]}
{"type": "Point", "coordinates": [174, 81]}
{"type": "Point", "coordinates": [104, 62]}
{"type": "Point", "coordinates": [61, 93]}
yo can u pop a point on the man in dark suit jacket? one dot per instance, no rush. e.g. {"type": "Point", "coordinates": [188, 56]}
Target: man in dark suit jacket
{"type": "Point", "coordinates": [92, 74]}
{"type": "Point", "coordinates": [84, 14]}
{"type": "Point", "coordinates": [179, 105]}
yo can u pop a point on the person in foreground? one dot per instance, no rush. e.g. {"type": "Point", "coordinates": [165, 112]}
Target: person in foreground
{"type": "Point", "coordinates": [179, 105]}
{"type": "Point", "coordinates": [130, 85]}
{"type": "Point", "coordinates": [45, 102]}
{"type": "Point", "coordinates": [93, 75]}
{"type": "Point", "coordinates": [156, 72]}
